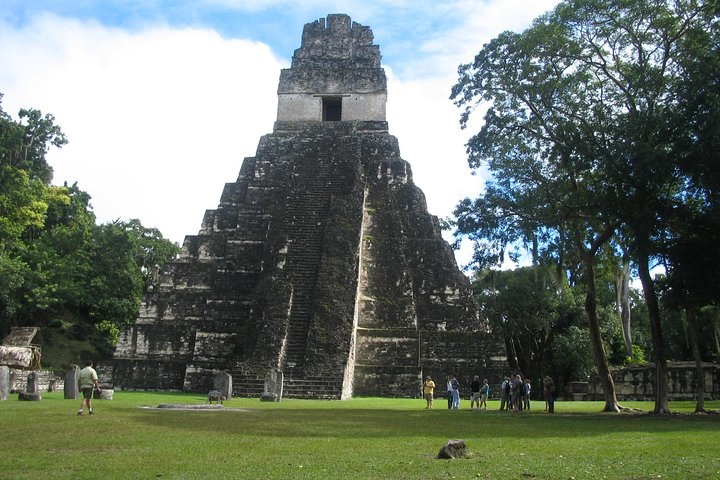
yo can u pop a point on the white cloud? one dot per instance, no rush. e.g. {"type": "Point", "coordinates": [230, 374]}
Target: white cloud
{"type": "Point", "coordinates": [157, 120]}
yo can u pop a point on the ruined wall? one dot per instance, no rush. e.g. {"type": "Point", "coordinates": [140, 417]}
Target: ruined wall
{"type": "Point", "coordinates": [637, 383]}
{"type": "Point", "coordinates": [47, 380]}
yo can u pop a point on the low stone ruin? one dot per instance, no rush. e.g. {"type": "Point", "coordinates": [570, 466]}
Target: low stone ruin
{"type": "Point", "coordinates": [18, 351]}
{"type": "Point", "coordinates": [453, 449]}
{"type": "Point", "coordinates": [637, 383]}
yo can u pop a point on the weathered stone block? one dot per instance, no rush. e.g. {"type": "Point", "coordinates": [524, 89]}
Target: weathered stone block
{"type": "Point", "coordinates": [29, 396]}
{"type": "Point", "coordinates": [222, 382]}
{"type": "Point", "coordinates": [453, 449]}
{"type": "Point", "coordinates": [33, 383]}
{"type": "Point", "coordinates": [4, 382]}
{"type": "Point", "coordinates": [107, 394]}
{"type": "Point", "coordinates": [71, 391]}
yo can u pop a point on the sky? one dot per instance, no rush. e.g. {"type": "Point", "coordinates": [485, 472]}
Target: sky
{"type": "Point", "coordinates": [162, 100]}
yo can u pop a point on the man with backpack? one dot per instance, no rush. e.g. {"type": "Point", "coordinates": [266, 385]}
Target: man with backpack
{"type": "Point", "coordinates": [505, 394]}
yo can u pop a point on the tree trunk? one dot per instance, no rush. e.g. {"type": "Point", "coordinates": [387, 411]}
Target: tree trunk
{"type": "Point", "coordinates": [661, 388]}
{"type": "Point", "coordinates": [611, 403]}
{"type": "Point", "coordinates": [510, 342]}
{"type": "Point", "coordinates": [699, 374]}
{"type": "Point", "coordinates": [623, 300]}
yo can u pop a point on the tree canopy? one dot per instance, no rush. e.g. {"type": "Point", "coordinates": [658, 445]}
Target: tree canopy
{"type": "Point", "coordinates": [59, 269]}
{"type": "Point", "coordinates": [585, 139]}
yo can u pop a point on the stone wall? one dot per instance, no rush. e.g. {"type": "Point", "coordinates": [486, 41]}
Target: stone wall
{"type": "Point", "coordinates": [47, 380]}
{"type": "Point", "coordinates": [637, 383]}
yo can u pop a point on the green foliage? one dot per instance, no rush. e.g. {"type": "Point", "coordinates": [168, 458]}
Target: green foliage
{"type": "Point", "coordinates": [55, 262]}
{"type": "Point", "coordinates": [594, 114]}
{"type": "Point", "coordinates": [529, 306]}
{"type": "Point", "coordinates": [23, 144]}
{"type": "Point", "coordinates": [637, 357]}
{"type": "Point", "coordinates": [572, 357]}
{"type": "Point", "coordinates": [109, 330]}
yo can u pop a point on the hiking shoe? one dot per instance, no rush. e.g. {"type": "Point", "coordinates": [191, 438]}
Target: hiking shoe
{"type": "Point", "coordinates": [80, 414]}
{"type": "Point", "coordinates": [90, 412]}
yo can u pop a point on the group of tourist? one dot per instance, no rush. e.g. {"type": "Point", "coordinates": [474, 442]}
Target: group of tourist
{"type": "Point", "coordinates": [514, 393]}
{"type": "Point", "coordinates": [479, 393]}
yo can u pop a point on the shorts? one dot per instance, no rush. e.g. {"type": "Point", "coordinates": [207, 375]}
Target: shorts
{"type": "Point", "coordinates": [483, 398]}
{"type": "Point", "coordinates": [476, 397]}
{"type": "Point", "coordinates": [429, 397]}
{"type": "Point", "coordinates": [87, 393]}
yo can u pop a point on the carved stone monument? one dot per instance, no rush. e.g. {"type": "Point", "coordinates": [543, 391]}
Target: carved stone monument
{"type": "Point", "coordinates": [32, 383]}
{"type": "Point", "coordinates": [71, 389]}
{"type": "Point", "coordinates": [222, 382]}
{"type": "Point", "coordinates": [273, 388]}
{"type": "Point", "coordinates": [4, 382]}
{"type": "Point", "coordinates": [321, 259]}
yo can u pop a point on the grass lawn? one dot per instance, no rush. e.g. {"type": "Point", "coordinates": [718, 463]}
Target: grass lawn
{"type": "Point", "coordinates": [362, 438]}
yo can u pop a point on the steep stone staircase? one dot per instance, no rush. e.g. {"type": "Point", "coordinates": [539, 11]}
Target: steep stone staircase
{"type": "Point", "coordinates": [323, 388]}
{"type": "Point", "coordinates": [306, 215]}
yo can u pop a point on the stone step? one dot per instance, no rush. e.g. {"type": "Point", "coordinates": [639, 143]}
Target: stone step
{"type": "Point", "coordinates": [312, 387]}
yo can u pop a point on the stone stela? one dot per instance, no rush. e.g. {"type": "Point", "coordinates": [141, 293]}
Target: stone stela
{"type": "Point", "coordinates": [320, 261]}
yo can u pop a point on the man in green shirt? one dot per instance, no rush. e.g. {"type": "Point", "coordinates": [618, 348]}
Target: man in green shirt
{"type": "Point", "coordinates": [87, 381]}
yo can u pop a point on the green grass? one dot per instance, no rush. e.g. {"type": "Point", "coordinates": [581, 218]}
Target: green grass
{"type": "Point", "coordinates": [362, 438]}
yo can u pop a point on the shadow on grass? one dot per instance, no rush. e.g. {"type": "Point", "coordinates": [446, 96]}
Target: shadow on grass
{"type": "Point", "coordinates": [380, 423]}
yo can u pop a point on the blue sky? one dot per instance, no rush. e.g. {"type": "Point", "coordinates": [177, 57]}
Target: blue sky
{"type": "Point", "coordinates": [162, 100]}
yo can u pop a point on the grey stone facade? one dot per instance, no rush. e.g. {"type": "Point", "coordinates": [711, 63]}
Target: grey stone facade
{"type": "Point", "coordinates": [637, 383]}
{"type": "Point", "coordinates": [320, 260]}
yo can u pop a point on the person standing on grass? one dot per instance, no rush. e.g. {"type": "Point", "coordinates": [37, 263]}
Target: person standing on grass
{"type": "Point", "coordinates": [504, 394]}
{"type": "Point", "coordinates": [484, 394]}
{"type": "Point", "coordinates": [549, 392]}
{"type": "Point", "coordinates": [521, 394]}
{"type": "Point", "coordinates": [428, 389]}
{"type": "Point", "coordinates": [515, 392]}
{"type": "Point", "coordinates": [475, 393]}
{"type": "Point", "coordinates": [526, 397]}
{"type": "Point", "coordinates": [455, 384]}
{"type": "Point", "coordinates": [87, 381]}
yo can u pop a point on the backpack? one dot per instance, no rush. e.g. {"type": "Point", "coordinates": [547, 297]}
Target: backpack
{"type": "Point", "coordinates": [455, 384]}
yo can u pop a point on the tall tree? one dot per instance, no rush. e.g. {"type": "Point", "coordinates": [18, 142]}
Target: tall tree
{"type": "Point", "coordinates": [546, 180]}
{"type": "Point", "coordinates": [693, 242]}
{"type": "Point", "coordinates": [593, 82]}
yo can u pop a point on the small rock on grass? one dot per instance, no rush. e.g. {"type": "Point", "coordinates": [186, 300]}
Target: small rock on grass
{"type": "Point", "coordinates": [453, 449]}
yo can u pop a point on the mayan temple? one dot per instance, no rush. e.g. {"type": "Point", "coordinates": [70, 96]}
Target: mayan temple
{"type": "Point", "coordinates": [320, 261]}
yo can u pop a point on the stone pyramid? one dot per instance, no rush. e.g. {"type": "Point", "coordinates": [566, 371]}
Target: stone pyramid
{"type": "Point", "coordinates": [321, 260]}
